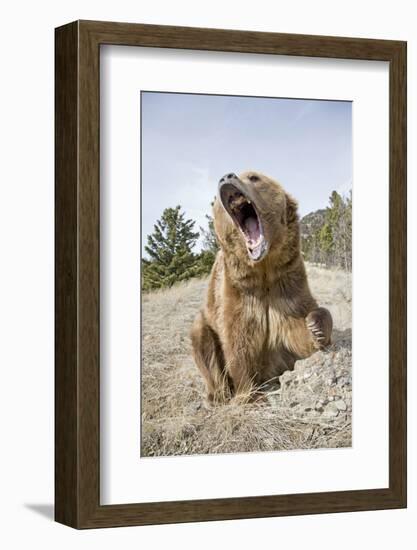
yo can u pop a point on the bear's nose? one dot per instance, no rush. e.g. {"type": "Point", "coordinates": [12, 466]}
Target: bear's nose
{"type": "Point", "coordinates": [227, 177]}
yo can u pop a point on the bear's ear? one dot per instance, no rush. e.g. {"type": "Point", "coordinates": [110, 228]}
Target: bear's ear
{"type": "Point", "coordinates": [292, 209]}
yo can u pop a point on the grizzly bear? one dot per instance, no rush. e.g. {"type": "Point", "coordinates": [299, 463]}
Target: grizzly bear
{"type": "Point", "coordinates": [259, 316]}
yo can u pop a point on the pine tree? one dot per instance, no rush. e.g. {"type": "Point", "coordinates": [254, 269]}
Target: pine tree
{"type": "Point", "coordinates": [331, 242]}
{"type": "Point", "coordinates": [339, 217]}
{"type": "Point", "coordinates": [347, 232]}
{"type": "Point", "coordinates": [209, 236]}
{"type": "Point", "coordinates": [209, 249]}
{"type": "Point", "coordinates": [326, 243]}
{"type": "Point", "coordinates": [170, 251]}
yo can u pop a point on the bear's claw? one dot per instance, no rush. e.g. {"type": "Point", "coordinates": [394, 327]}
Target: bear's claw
{"type": "Point", "coordinates": [319, 324]}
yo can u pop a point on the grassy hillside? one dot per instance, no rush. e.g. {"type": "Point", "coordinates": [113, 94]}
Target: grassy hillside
{"type": "Point", "coordinates": [311, 409]}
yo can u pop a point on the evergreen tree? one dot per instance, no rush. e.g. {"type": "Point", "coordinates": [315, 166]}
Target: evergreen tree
{"type": "Point", "coordinates": [210, 247]}
{"type": "Point", "coordinates": [346, 234]}
{"type": "Point", "coordinates": [205, 263]}
{"type": "Point", "coordinates": [330, 243]}
{"type": "Point", "coordinates": [326, 243]}
{"type": "Point", "coordinates": [209, 236]}
{"type": "Point", "coordinates": [339, 218]}
{"type": "Point", "coordinates": [170, 251]}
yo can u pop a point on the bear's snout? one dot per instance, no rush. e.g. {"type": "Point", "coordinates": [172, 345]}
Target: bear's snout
{"type": "Point", "coordinates": [228, 177]}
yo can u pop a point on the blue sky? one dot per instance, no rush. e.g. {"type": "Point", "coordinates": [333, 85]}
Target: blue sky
{"type": "Point", "coordinates": [190, 141]}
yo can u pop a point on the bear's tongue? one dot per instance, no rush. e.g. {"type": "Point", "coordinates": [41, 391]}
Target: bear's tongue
{"type": "Point", "coordinates": [252, 229]}
{"type": "Point", "coordinates": [255, 242]}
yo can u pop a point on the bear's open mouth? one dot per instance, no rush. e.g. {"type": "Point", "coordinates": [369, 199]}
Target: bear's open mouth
{"type": "Point", "coordinates": [243, 212]}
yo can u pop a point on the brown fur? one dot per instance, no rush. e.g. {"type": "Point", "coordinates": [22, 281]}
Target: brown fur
{"type": "Point", "coordinates": [259, 317]}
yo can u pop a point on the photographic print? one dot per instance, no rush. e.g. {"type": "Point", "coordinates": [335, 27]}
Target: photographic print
{"type": "Point", "coordinates": [205, 181]}
{"type": "Point", "coordinates": [246, 262]}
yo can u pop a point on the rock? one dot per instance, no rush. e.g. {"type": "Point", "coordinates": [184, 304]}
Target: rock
{"type": "Point", "coordinates": [343, 381]}
{"type": "Point", "coordinates": [331, 411]}
{"type": "Point", "coordinates": [331, 381]}
{"type": "Point", "coordinates": [318, 390]}
{"type": "Point", "coordinates": [341, 405]}
{"type": "Point", "coordinates": [274, 400]}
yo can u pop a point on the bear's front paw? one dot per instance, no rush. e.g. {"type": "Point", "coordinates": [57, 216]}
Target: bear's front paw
{"type": "Point", "coordinates": [319, 323]}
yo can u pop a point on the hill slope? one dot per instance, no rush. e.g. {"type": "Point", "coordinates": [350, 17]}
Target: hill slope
{"type": "Point", "coordinates": [311, 222]}
{"type": "Point", "coordinates": [311, 409]}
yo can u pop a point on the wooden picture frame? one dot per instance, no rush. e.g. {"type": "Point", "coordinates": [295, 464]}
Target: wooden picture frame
{"type": "Point", "coordinates": [77, 373]}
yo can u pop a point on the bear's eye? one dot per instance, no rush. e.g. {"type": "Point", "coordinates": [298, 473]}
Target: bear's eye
{"type": "Point", "coordinates": [253, 178]}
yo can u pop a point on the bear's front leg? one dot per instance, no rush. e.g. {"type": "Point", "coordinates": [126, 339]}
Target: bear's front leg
{"type": "Point", "coordinates": [239, 370]}
{"type": "Point", "coordinates": [320, 324]}
{"type": "Point", "coordinates": [208, 356]}
{"type": "Point", "coordinates": [241, 360]}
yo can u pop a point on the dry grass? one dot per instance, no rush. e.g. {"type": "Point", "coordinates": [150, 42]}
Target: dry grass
{"type": "Point", "coordinates": [175, 418]}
